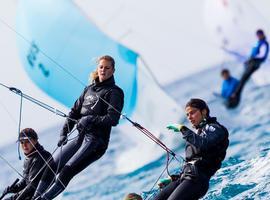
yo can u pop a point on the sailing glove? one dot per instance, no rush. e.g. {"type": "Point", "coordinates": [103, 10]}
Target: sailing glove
{"type": "Point", "coordinates": [176, 127]}
{"type": "Point", "coordinates": [62, 141]}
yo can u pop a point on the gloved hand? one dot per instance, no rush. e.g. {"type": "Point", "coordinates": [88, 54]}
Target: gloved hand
{"type": "Point", "coordinates": [6, 190]}
{"type": "Point", "coordinates": [174, 177]}
{"type": "Point", "coordinates": [176, 127]}
{"type": "Point", "coordinates": [9, 189]}
{"type": "Point", "coordinates": [164, 182]}
{"type": "Point", "coordinates": [84, 123]}
{"type": "Point", "coordinates": [62, 141]}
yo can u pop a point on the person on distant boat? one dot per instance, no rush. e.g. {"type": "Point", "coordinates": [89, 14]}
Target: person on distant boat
{"type": "Point", "coordinates": [258, 55]}
{"type": "Point", "coordinates": [229, 84]}
{"type": "Point", "coordinates": [95, 120]}
{"type": "Point", "coordinates": [35, 159]}
{"type": "Point", "coordinates": [133, 196]}
{"type": "Point", "coordinates": [205, 150]}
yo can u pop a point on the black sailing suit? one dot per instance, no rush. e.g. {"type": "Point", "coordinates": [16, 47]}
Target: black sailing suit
{"type": "Point", "coordinates": [33, 168]}
{"type": "Point", "coordinates": [93, 138]}
{"type": "Point", "coordinates": [205, 150]}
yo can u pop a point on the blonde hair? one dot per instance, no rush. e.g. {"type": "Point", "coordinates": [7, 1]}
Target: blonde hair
{"type": "Point", "coordinates": [94, 74]}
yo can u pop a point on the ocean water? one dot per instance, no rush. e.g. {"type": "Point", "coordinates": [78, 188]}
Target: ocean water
{"type": "Point", "coordinates": [245, 171]}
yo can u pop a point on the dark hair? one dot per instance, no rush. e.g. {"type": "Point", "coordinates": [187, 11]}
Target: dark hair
{"type": "Point", "coordinates": [107, 58]}
{"type": "Point", "coordinates": [259, 32]}
{"type": "Point", "coordinates": [199, 104]}
{"type": "Point", "coordinates": [28, 133]}
{"type": "Point", "coordinates": [133, 196]}
{"type": "Point", "coordinates": [224, 71]}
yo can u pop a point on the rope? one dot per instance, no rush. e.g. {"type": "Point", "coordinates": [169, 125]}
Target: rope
{"type": "Point", "coordinates": [42, 52]}
{"type": "Point", "coordinates": [38, 102]}
{"type": "Point", "coordinates": [10, 115]}
{"type": "Point", "coordinates": [57, 112]}
{"type": "Point", "coordinates": [59, 162]}
{"type": "Point", "coordinates": [165, 169]}
{"type": "Point", "coordinates": [19, 126]}
{"type": "Point", "coordinates": [46, 163]}
{"type": "Point", "coordinates": [10, 165]}
{"type": "Point", "coordinates": [143, 130]}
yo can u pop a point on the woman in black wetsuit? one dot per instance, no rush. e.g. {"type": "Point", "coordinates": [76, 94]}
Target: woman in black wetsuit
{"type": "Point", "coordinates": [95, 119]}
{"type": "Point", "coordinates": [205, 150]}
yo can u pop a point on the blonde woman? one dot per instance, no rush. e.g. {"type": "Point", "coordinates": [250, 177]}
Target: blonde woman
{"type": "Point", "coordinates": [95, 119]}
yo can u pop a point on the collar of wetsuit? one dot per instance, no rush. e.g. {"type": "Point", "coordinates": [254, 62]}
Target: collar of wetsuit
{"type": "Point", "coordinates": [206, 121]}
{"type": "Point", "coordinates": [109, 81]}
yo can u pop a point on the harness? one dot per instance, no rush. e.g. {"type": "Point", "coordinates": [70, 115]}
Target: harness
{"type": "Point", "coordinates": [206, 165]}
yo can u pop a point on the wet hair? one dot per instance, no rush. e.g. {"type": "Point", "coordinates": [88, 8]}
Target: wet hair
{"type": "Point", "coordinates": [224, 71]}
{"type": "Point", "coordinates": [28, 133]}
{"type": "Point", "coordinates": [199, 104]}
{"type": "Point", "coordinates": [94, 74]}
{"type": "Point", "coordinates": [133, 196]}
{"type": "Point", "coordinates": [259, 32]}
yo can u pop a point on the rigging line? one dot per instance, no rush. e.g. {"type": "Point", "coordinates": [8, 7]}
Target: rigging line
{"type": "Point", "coordinates": [45, 106]}
{"type": "Point", "coordinates": [10, 115]}
{"type": "Point", "coordinates": [139, 55]}
{"type": "Point", "coordinates": [46, 163]}
{"type": "Point", "coordinates": [43, 53]}
{"type": "Point", "coordinates": [49, 159]}
{"type": "Point", "coordinates": [160, 142]}
{"type": "Point", "coordinates": [56, 172]}
{"type": "Point", "coordinates": [167, 164]}
{"type": "Point", "coordinates": [39, 103]}
{"type": "Point", "coordinates": [75, 78]}
{"type": "Point", "coordinates": [163, 171]}
{"type": "Point", "coordinates": [157, 141]}
{"type": "Point", "coordinates": [257, 11]}
{"type": "Point", "coordinates": [149, 70]}
{"type": "Point", "coordinates": [19, 125]}
{"type": "Point", "coordinates": [139, 127]}
{"type": "Point", "coordinates": [65, 70]}
{"type": "Point", "coordinates": [10, 165]}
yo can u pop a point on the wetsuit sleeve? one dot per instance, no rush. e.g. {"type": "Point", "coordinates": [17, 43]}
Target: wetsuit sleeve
{"type": "Point", "coordinates": [19, 186]}
{"type": "Point", "coordinates": [116, 99]}
{"type": "Point", "coordinates": [35, 173]}
{"type": "Point", "coordinates": [209, 138]}
{"type": "Point", "coordinates": [73, 114]}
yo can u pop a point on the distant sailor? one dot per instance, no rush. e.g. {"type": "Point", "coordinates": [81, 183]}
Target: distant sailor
{"type": "Point", "coordinates": [205, 151]}
{"type": "Point", "coordinates": [258, 55]}
{"type": "Point", "coordinates": [32, 169]}
{"type": "Point", "coordinates": [96, 119]}
{"type": "Point", "coordinates": [229, 84]}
